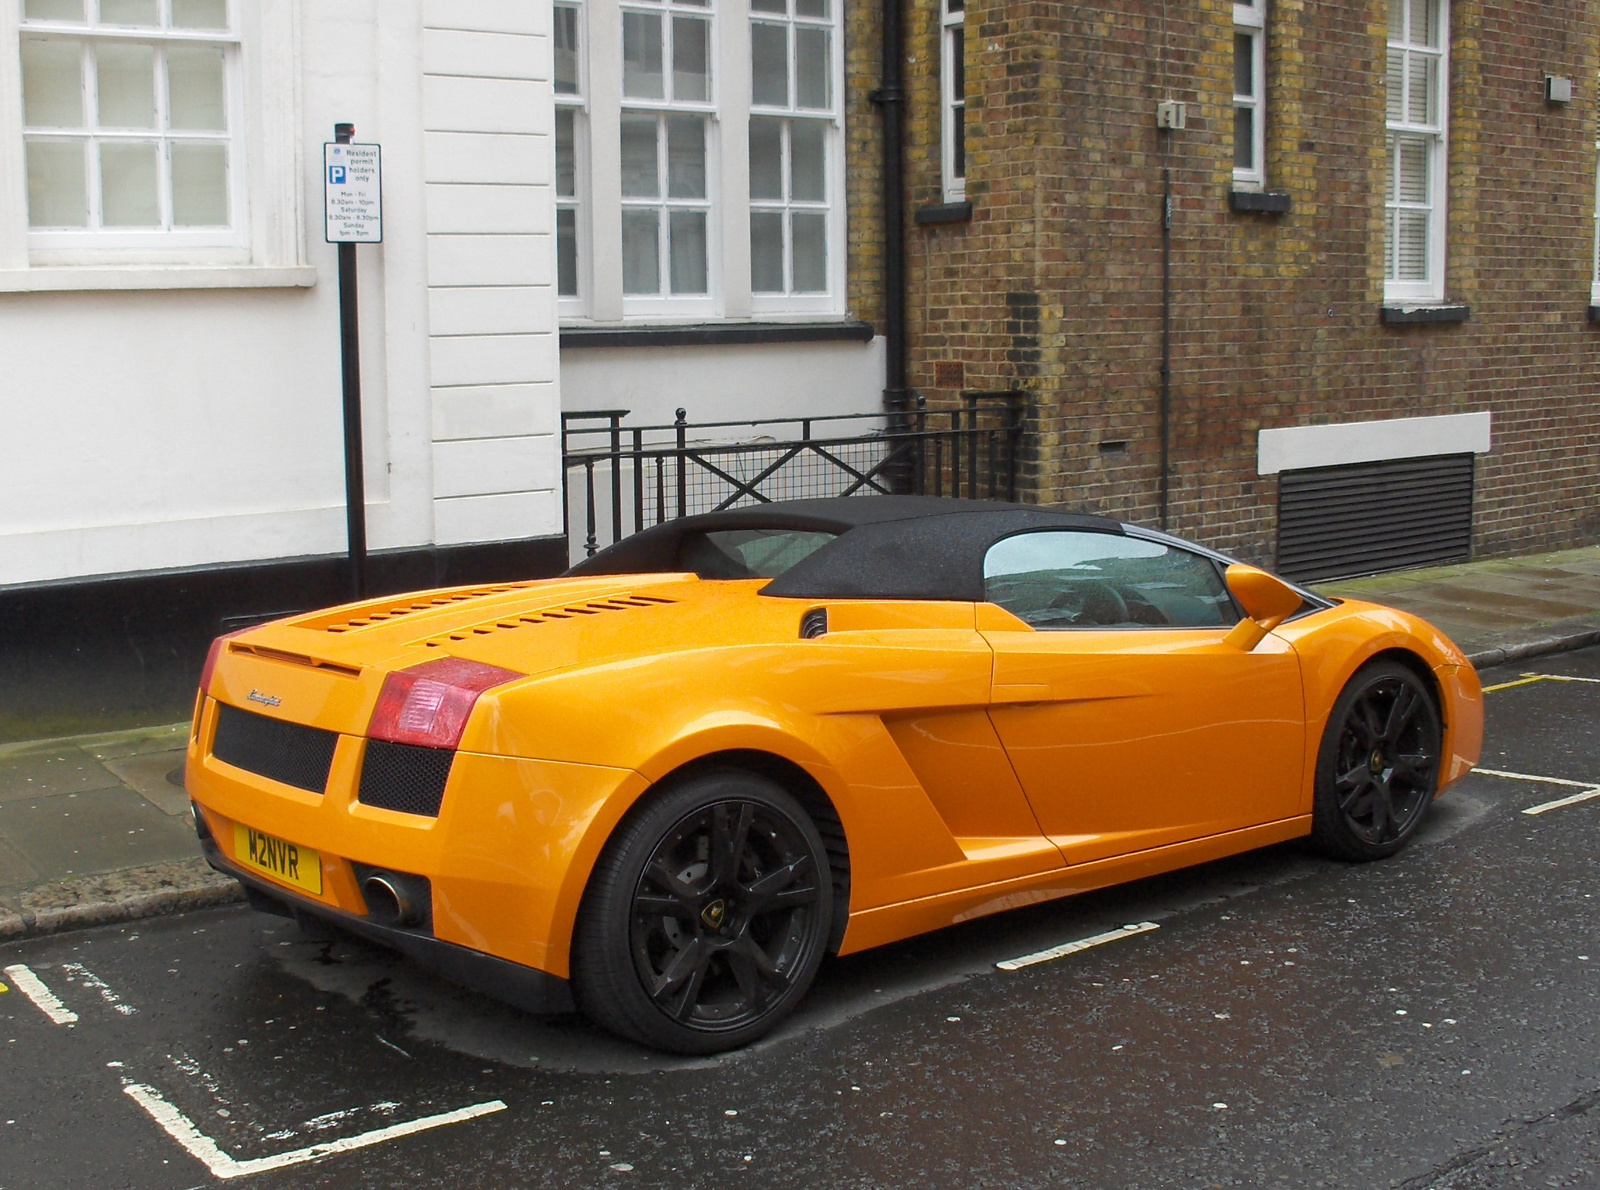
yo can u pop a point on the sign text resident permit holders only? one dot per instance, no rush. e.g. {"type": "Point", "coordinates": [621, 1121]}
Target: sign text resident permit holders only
{"type": "Point", "coordinates": [352, 183]}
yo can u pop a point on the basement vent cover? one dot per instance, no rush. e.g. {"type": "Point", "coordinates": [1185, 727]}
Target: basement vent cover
{"type": "Point", "coordinates": [1366, 518]}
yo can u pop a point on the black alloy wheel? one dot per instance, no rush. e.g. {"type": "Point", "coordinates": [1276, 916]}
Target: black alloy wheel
{"type": "Point", "coordinates": [1378, 768]}
{"type": "Point", "coordinates": [706, 917]}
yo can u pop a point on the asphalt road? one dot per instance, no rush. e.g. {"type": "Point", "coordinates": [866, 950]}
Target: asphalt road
{"type": "Point", "coordinates": [1433, 1020]}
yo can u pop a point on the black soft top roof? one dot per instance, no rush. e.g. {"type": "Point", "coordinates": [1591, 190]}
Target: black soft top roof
{"type": "Point", "coordinates": [888, 547]}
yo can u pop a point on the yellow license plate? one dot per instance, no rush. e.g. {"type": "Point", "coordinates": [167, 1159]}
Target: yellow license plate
{"type": "Point", "coordinates": [278, 858]}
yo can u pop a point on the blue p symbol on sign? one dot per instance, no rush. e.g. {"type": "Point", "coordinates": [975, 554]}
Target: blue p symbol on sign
{"type": "Point", "coordinates": [336, 175]}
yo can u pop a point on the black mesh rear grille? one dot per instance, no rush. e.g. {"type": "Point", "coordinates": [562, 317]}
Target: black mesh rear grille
{"type": "Point", "coordinates": [290, 753]}
{"type": "Point", "coordinates": [404, 777]}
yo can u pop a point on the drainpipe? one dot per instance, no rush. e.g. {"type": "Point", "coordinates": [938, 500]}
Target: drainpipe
{"type": "Point", "coordinates": [890, 98]}
{"type": "Point", "coordinates": [1166, 343]}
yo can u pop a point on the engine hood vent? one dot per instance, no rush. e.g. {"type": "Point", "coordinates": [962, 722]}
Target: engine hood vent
{"type": "Point", "coordinates": [349, 620]}
{"type": "Point", "coordinates": [570, 611]}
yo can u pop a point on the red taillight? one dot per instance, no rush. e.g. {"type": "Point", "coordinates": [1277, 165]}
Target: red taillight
{"type": "Point", "coordinates": [211, 658]}
{"type": "Point", "coordinates": [429, 704]}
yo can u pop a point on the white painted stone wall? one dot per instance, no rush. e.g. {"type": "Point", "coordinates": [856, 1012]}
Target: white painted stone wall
{"type": "Point", "coordinates": [179, 416]}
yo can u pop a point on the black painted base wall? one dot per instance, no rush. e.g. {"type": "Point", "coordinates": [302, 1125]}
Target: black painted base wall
{"type": "Point", "coordinates": [104, 654]}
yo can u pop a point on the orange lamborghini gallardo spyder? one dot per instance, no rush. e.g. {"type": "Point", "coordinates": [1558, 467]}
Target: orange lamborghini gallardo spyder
{"type": "Point", "coordinates": [661, 787]}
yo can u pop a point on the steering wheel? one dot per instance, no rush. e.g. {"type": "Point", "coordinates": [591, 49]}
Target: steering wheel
{"type": "Point", "coordinates": [1101, 603]}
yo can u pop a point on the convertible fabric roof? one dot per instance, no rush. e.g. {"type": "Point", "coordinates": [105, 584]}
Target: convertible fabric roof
{"type": "Point", "coordinates": [888, 547]}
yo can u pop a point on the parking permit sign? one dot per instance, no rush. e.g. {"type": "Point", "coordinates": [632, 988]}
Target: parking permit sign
{"type": "Point", "coordinates": [352, 183]}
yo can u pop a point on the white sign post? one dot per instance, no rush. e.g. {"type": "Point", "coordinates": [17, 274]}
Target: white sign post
{"type": "Point", "coordinates": [352, 181]}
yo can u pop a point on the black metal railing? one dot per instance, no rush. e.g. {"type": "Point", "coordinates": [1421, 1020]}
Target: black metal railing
{"type": "Point", "coordinates": [627, 478]}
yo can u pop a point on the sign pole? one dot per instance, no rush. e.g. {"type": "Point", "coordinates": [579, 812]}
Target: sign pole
{"type": "Point", "coordinates": [354, 215]}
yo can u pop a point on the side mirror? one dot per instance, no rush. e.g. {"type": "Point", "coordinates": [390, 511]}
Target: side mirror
{"type": "Point", "coordinates": [1267, 601]}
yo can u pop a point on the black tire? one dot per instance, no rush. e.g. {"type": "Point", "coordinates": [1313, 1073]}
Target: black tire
{"type": "Point", "coordinates": [1378, 767]}
{"type": "Point", "coordinates": [706, 917]}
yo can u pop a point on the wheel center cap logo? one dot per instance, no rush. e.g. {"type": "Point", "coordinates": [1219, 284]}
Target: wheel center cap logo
{"type": "Point", "coordinates": [1377, 762]}
{"type": "Point", "coordinates": [715, 914]}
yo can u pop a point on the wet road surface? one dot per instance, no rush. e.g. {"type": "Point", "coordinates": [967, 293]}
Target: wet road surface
{"type": "Point", "coordinates": [1433, 1020]}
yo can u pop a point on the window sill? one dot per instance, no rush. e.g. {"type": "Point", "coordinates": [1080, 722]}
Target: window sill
{"type": "Point", "coordinates": [943, 212]}
{"type": "Point", "coordinates": [1398, 314]}
{"type": "Point", "coordinates": [1260, 202]}
{"type": "Point", "coordinates": [59, 279]}
{"type": "Point", "coordinates": [716, 334]}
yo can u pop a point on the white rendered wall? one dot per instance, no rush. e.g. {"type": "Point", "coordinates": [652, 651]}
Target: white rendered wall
{"type": "Point", "coordinates": [156, 428]}
{"type": "Point", "coordinates": [725, 383]}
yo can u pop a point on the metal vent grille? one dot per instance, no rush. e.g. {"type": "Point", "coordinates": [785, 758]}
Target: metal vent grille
{"type": "Point", "coordinates": [343, 621]}
{"type": "Point", "coordinates": [620, 603]}
{"type": "Point", "coordinates": [404, 777]}
{"type": "Point", "coordinates": [289, 753]}
{"type": "Point", "coordinates": [1338, 522]}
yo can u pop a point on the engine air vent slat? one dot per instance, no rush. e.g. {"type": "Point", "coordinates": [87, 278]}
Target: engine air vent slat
{"type": "Point", "coordinates": [570, 611]}
{"type": "Point", "coordinates": [346, 622]}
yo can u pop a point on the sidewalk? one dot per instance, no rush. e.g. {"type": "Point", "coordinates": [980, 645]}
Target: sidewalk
{"type": "Point", "coordinates": [96, 828]}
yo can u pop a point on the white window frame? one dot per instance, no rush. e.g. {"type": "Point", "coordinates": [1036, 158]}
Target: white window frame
{"type": "Point", "coordinates": [951, 24]}
{"type": "Point", "coordinates": [1436, 136]}
{"type": "Point", "coordinates": [268, 247]}
{"type": "Point", "coordinates": [600, 200]}
{"type": "Point", "coordinates": [1250, 20]}
{"type": "Point", "coordinates": [577, 305]}
{"type": "Point", "coordinates": [1594, 283]}
{"type": "Point", "coordinates": [832, 119]}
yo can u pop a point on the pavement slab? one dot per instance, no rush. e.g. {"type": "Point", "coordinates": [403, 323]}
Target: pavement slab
{"type": "Point", "coordinates": [98, 831]}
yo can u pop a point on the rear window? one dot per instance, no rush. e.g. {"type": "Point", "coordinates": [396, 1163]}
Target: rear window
{"type": "Point", "coordinates": [747, 553]}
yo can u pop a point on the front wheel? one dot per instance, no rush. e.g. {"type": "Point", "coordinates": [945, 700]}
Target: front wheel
{"type": "Point", "coordinates": [706, 917]}
{"type": "Point", "coordinates": [1378, 768]}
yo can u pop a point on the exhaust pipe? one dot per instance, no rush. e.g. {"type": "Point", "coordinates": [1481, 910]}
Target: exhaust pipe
{"type": "Point", "coordinates": [394, 900]}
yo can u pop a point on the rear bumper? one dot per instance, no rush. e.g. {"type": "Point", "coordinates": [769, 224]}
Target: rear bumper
{"type": "Point", "coordinates": [524, 987]}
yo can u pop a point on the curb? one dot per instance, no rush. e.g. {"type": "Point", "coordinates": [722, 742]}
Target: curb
{"type": "Point", "coordinates": [206, 890]}
{"type": "Point", "coordinates": [1538, 647]}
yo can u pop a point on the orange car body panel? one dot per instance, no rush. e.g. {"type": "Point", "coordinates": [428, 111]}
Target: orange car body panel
{"type": "Point", "coordinates": [943, 733]}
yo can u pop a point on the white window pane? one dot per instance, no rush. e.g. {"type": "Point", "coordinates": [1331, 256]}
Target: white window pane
{"type": "Point", "coordinates": [641, 252]}
{"type": "Point", "coordinates": [766, 252]}
{"type": "Point", "coordinates": [567, 253]}
{"type": "Point", "coordinates": [688, 249]}
{"type": "Point", "coordinates": [1420, 106]}
{"type": "Point", "coordinates": [126, 77]}
{"type": "Point", "coordinates": [566, 47]}
{"type": "Point", "coordinates": [815, 8]}
{"type": "Point", "coordinates": [53, 10]}
{"type": "Point", "coordinates": [766, 157]}
{"type": "Point", "coordinates": [1396, 83]}
{"type": "Point", "coordinates": [1244, 64]}
{"type": "Point", "coordinates": [812, 68]}
{"type": "Point", "coordinates": [52, 83]}
{"type": "Point", "coordinates": [641, 56]}
{"type": "Point", "coordinates": [130, 12]}
{"type": "Point", "coordinates": [1244, 138]}
{"type": "Point", "coordinates": [199, 185]}
{"type": "Point", "coordinates": [1388, 244]}
{"type": "Point", "coordinates": [1413, 169]}
{"type": "Point", "coordinates": [197, 98]}
{"type": "Point", "coordinates": [769, 65]}
{"type": "Point", "coordinates": [566, 153]}
{"type": "Point", "coordinates": [686, 157]}
{"type": "Point", "coordinates": [128, 186]}
{"type": "Point", "coordinates": [810, 253]}
{"type": "Point", "coordinates": [691, 58]}
{"type": "Point", "coordinates": [958, 63]}
{"type": "Point", "coordinates": [1389, 148]}
{"type": "Point", "coordinates": [778, 6]}
{"type": "Point", "coordinates": [57, 192]}
{"type": "Point", "coordinates": [1397, 20]}
{"type": "Point", "coordinates": [1424, 22]}
{"type": "Point", "coordinates": [807, 168]}
{"type": "Point", "coordinates": [1411, 253]}
{"type": "Point", "coordinates": [199, 14]}
{"type": "Point", "coordinates": [641, 171]}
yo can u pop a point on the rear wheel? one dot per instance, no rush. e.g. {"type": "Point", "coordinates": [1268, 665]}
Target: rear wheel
{"type": "Point", "coordinates": [1378, 768]}
{"type": "Point", "coordinates": [706, 917]}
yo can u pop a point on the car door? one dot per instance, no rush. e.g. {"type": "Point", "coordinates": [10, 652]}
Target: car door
{"type": "Point", "coordinates": [1129, 719]}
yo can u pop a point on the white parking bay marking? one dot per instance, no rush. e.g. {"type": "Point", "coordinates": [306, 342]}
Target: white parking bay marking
{"type": "Point", "coordinates": [46, 1000]}
{"type": "Point", "coordinates": [92, 981]}
{"type": "Point", "coordinates": [1589, 788]}
{"type": "Point", "coordinates": [210, 1154]}
{"type": "Point", "coordinates": [1066, 948]}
